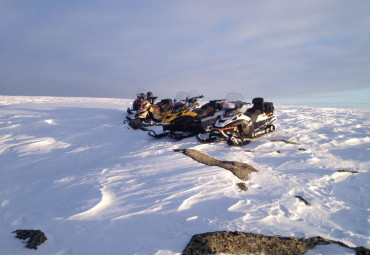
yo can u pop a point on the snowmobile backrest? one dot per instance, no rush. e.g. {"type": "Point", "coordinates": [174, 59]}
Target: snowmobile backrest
{"type": "Point", "coordinates": [258, 104]}
{"type": "Point", "coordinates": [269, 108]}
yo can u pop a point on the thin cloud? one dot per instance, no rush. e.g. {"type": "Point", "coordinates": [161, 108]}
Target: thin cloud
{"type": "Point", "coordinates": [274, 49]}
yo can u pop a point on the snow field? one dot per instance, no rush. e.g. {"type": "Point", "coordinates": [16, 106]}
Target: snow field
{"type": "Point", "coordinates": [71, 168]}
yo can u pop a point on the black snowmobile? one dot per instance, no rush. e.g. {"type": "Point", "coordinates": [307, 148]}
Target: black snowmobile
{"type": "Point", "coordinates": [239, 122]}
{"type": "Point", "coordinates": [188, 118]}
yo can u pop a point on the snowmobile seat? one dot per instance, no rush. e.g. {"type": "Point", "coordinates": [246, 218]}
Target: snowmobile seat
{"type": "Point", "coordinates": [165, 105]}
{"type": "Point", "coordinates": [205, 111]}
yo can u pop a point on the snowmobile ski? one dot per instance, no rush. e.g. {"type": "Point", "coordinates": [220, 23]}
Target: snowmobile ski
{"type": "Point", "coordinates": [152, 133]}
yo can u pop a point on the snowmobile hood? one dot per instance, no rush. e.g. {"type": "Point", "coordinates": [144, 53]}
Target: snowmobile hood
{"type": "Point", "coordinates": [172, 116]}
{"type": "Point", "coordinates": [225, 121]}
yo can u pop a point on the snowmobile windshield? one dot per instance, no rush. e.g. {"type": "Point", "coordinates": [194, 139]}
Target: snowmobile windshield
{"type": "Point", "coordinates": [192, 101]}
{"type": "Point", "coordinates": [193, 94]}
{"type": "Point", "coordinates": [181, 96]}
{"type": "Point", "coordinates": [234, 97]}
{"type": "Point", "coordinates": [234, 101]}
{"type": "Point", "coordinates": [232, 108]}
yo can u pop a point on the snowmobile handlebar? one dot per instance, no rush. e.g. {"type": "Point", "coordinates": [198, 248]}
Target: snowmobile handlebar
{"type": "Point", "coordinates": [193, 99]}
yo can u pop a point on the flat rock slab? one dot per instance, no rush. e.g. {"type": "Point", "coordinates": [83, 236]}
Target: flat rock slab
{"type": "Point", "coordinates": [239, 169]}
{"type": "Point", "coordinates": [249, 243]}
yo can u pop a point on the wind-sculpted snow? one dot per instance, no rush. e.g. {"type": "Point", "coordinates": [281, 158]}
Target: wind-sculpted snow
{"type": "Point", "coordinates": [72, 169]}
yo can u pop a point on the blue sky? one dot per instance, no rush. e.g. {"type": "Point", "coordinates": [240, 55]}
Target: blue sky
{"type": "Point", "coordinates": [274, 49]}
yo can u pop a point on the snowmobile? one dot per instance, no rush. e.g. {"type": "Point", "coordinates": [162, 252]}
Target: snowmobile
{"type": "Point", "coordinates": [240, 122]}
{"type": "Point", "coordinates": [187, 118]}
{"type": "Point", "coordinates": [141, 95]}
{"type": "Point", "coordinates": [150, 114]}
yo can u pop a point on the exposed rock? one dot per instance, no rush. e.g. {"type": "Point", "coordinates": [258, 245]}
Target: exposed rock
{"type": "Point", "coordinates": [348, 171]}
{"type": "Point", "coordinates": [249, 243]}
{"type": "Point", "coordinates": [303, 199]}
{"type": "Point", "coordinates": [250, 151]}
{"type": "Point", "coordinates": [35, 237]}
{"type": "Point", "coordinates": [242, 186]}
{"type": "Point", "coordinates": [241, 170]}
{"type": "Point", "coordinates": [361, 250]}
{"type": "Point", "coordinates": [285, 141]}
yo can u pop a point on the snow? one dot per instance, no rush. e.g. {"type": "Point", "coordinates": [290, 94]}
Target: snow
{"type": "Point", "coordinates": [72, 169]}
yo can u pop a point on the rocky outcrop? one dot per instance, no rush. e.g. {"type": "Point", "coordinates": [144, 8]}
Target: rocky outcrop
{"type": "Point", "coordinates": [249, 243]}
{"type": "Point", "coordinates": [239, 169]}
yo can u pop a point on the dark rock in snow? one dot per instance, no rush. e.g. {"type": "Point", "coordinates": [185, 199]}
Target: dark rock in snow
{"type": "Point", "coordinates": [348, 171]}
{"type": "Point", "coordinates": [249, 150]}
{"type": "Point", "coordinates": [303, 199]}
{"type": "Point", "coordinates": [285, 141]}
{"type": "Point", "coordinates": [35, 237]}
{"type": "Point", "coordinates": [242, 186]}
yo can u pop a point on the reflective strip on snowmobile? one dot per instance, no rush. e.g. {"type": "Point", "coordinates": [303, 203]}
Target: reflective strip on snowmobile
{"type": "Point", "coordinates": [222, 129]}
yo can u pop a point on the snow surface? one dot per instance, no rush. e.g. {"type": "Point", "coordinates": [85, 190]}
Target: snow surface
{"type": "Point", "coordinates": [69, 167]}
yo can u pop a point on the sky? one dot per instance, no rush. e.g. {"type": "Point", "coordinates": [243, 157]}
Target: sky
{"type": "Point", "coordinates": [283, 50]}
